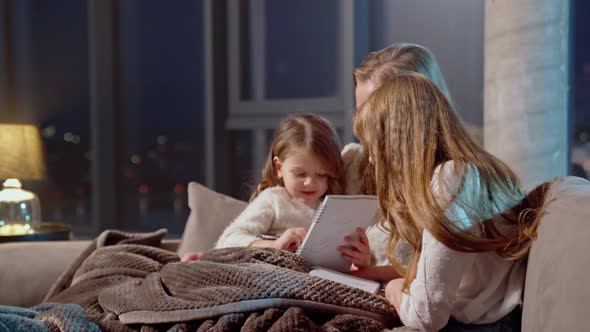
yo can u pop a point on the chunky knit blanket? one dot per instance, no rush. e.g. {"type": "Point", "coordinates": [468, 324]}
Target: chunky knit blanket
{"type": "Point", "coordinates": [125, 282]}
{"type": "Point", "coordinates": [45, 317]}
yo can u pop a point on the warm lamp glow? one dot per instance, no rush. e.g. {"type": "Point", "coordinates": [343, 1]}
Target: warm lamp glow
{"type": "Point", "coordinates": [21, 152]}
{"type": "Point", "coordinates": [15, 229]}
{"type": "Point", "coordinates": [12, 192]}
{"type": "Point", "coordinates": [21, 157]}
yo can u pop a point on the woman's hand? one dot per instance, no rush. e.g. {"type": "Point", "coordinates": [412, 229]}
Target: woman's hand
{"type": "Point", "coordinates": [290, 240]}
{"type": "Point", "coordinates": [393, 292]}
{"type": "Point", "coordinates": [359, 252]}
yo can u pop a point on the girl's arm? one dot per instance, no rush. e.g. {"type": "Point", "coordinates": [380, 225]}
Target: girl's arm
{"type": "Point", "coordinates": [256, 219]}
{"type": "Point", "coordinates": [289, 240]}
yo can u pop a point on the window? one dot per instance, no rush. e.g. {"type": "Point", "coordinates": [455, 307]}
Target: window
{"type": "Point", "coordinates": [154, 133]}
{"type": "Point", "coordinates": [49, 63]}
{"type": "Point", "coordinates": [280, 65]}
{"type": "Point", "coordinates": [162, 115]}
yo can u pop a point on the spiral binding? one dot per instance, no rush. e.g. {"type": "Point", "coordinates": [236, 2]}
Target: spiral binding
{"type": "Point", "coordinates": [315, 220]}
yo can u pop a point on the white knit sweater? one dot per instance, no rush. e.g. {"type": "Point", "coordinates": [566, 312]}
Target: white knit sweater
{"type": "Point", "coordinates": [272, 212]}
{"type": "Point", "coordinates": [472, 287]}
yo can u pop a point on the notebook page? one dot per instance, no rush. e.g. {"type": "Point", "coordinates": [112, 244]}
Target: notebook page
{"type": "Point", "coordinates": [337, 217]}
{"type": "Point", "coordinates": [345, 279]}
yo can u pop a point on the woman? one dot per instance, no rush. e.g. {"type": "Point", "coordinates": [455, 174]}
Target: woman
{"type": "Point", "coordinates": [377, 68]}
{"type": "Point", "coordinates": [461, 210]}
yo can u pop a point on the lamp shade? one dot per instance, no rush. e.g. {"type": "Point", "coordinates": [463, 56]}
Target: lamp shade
{"type": "Point", "coordinates": [21, 152]}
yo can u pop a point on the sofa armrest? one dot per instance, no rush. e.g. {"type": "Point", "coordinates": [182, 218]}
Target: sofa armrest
{"type": "Point", "coordinates": [29, 269]}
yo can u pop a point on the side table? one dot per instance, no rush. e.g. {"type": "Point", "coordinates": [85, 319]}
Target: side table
{"type": "Point", "coordinates": [46, 231]}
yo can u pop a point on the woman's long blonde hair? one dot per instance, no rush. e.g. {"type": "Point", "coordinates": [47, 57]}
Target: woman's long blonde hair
{"type": "Point", "coordinates": [384, 65]}
{"type": "Point", "coordinates": [311, 132]}
{"type": "Point", "coordinates": [409, 129]}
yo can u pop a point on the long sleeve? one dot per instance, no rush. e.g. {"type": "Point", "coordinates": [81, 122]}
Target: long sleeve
{"type": "Point", "coordinates": [433, 292]}
{"type": "Point", "coordinates": [440, 269]}
{"type": "Point", "coordinates": [477, 287]}
{"type": "Point", "coordinates": [378, 240]}
{"type": "Point", "coordinates": [257, 218]}
{"type": "Point", "coordinates": [352, 155]}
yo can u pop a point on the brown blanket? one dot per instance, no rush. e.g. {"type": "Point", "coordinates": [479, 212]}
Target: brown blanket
{"type": "Point", "coordinates": [125, 282]}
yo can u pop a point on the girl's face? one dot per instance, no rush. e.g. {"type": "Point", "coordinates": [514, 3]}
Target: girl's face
{"type": "Point", "coordinates": [304, 176]}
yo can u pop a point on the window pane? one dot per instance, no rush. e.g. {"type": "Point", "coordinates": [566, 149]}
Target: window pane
{"type": "Point", "coordinates": [295, 55]}
{"type": "Point", "coordinates": [163, 111]}
{"type": "Point", "coordinates": [245, 176]}
{"type": "Point", "coordinates": [446, 28]}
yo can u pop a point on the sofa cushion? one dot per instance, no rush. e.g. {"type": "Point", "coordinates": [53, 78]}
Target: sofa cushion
{"type": "Point", "coordinates": [557, 296]}
{"type": "Point", "coordinates": [210, 213]}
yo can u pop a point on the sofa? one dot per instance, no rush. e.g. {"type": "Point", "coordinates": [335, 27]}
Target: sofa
{"type": "Point", "coordinates": [556, 297]}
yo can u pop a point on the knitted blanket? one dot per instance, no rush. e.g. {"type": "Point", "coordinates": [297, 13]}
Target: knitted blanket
{"type": "Point", "coordinates": [45, 317]}
{"type": "Point", "coordinates": [125, 282]}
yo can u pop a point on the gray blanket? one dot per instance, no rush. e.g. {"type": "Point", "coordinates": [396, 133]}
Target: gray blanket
{"type": "Point", "coordinates": [47, 317]}
{"type": "Point", "coordinates": [125, 282]}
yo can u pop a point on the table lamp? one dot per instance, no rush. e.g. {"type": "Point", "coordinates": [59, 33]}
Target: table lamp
{"type": "Point", "coordinates": [21, 158]}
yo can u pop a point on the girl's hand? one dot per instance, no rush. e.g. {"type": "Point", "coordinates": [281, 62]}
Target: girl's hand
{"type": "Point", "coordinates": [191, 256]}
{"type": "Point", "coordinates": [359, 252]}
{"type": "Point", "coordinates": [393, 292]}
{"type": "Point", "coordinates": [290, 239]}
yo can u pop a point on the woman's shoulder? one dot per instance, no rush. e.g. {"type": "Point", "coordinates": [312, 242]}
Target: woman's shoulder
{"type": "Point", "coordinates": [351, 151]}
{"type": "Point", "coordinates": [352, 157]}
{"type": "Point", "coordinates": [452, 174]}
{"type": "Point", "coordinates": [449, 178]}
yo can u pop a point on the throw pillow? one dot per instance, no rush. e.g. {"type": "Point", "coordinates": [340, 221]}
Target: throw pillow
{"type": "Point", "coordinates": [210, 213]}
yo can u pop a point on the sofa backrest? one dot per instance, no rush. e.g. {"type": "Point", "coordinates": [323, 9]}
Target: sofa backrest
{"type": "Point", "coordinates": [557, 294]}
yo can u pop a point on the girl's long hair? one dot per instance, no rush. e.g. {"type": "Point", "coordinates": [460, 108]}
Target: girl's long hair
{"type": "Point", "coordinates": [386, 64]}
{"type": "Point", "coordinates": [409, 129]}
{"type": "Point", "coordinates": [310, 132]}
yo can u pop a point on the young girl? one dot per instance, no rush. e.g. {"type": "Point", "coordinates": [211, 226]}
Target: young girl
{"type": "Point", "coordinates": [303, 165]}
{"type": "Point", "coordinates": [461, 210]}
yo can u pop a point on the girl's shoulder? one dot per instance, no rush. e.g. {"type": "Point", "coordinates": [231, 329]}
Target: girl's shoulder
{"type": "Point", "coordinates": [273, 193]}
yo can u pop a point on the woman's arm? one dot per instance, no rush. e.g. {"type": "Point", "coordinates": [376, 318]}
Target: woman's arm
{"type": "Point", "coordinates": [432, 293]}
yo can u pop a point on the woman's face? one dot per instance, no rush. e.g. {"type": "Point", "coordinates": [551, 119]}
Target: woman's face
{"type": "Point", "coordinates": [363, 90]}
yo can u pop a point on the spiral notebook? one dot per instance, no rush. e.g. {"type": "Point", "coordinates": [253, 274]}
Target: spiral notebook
{"type": "Point", "coordinates": [337, 217]}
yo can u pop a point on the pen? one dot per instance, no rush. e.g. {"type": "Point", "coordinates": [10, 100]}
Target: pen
{"type": "Point", "coordinates": [269, 236]}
